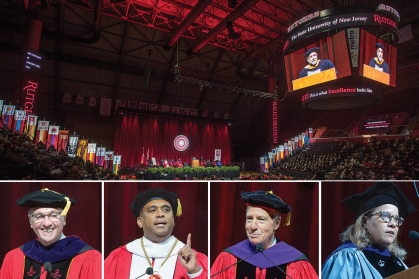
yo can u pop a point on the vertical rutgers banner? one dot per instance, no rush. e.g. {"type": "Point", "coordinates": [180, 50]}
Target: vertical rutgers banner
{"type": "Point", "coordinates": [42, 132]}
{"type": "Point", "coordinates": [30, 127]}
{"type": "Point", "coordinates": [7, 116]}
{"type": "Point", "coordinates": [19, 124]}
{"type": "Point", "coordinates": [63, 140]}
{"type": "Point", "coordinates": [100, 155]}
{"type": "Point", "coordinates": [72, 145]}
{"type": "Point", "coordinates": [108, 159]}
{"type": "Point", "coordinates": [91, 152]}
{"type": "Point", "coordinates": [53, 132]}
{"type": "Point", "coordinates": [116, 163]}
{"type": "Point", "coordinates": [31, 78]}
{"type": "Point", "coordinates": [217, 156]}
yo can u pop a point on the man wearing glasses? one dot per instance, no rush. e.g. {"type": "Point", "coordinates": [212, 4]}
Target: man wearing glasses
{"type": "Point", "coordinates": [51, 254]}
{"type": "Point", "coordinates": [315, 65]}
{"type": "Point", "coordinates": [370, 248]}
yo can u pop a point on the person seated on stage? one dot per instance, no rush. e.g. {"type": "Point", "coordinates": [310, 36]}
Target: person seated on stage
{"type": "Point", "coordinates": [149, 163]}
{"type": "Point", "coordinates": [378, 62]}
{"type": "Point", "coordinates": [179, 163]}
{"type": "Point", "coordinates": [219, 164]}
{"type": "Point", "coordinates": [172, 163]}
{"type": "Point", "coordinates": [370, 247]}
{"type": "Point", "coordinates": [68, 257]}
{"type": "Point", "coordinates": [158, 252]}
{"type": "Point", "coordinates": [263, 217]}
{"type": "Point", "coordinates": [203, 163]}
{"type": "Point", "coordinates": [315, 65]}
{"type": "Point", "coordinates": [209, 163]}
{"type": "Point", "coordinates": [166, 163]}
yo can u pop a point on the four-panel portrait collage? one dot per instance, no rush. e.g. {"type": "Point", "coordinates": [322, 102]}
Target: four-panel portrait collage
{"type": "Point", "coordinates": [220, 230]}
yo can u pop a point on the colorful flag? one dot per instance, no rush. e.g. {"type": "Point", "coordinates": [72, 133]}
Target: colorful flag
{"type": "Point", "coordinates": [53, 132]}
{"type": "Point", "coordinates": [100, 155]}
{"type": "Point", "coordinates": [262, 164]}
{"type": "Point", "coordinates": [91, 152]}
{"type": "Point", "coordinates": [72, 145]}
{"type": "Point", "coordinates": [7, 116]}
{"type": "Point", "coordinates": [42, 132]}
{"type": "Point", "coordinates": [82, 148]}
{"type": "Point", "coordinates": [30, 126]}
{"type": "Point", "coordinates": [19, 124]}
{"type": "Point", "coordinates": [108, 159]}
{"type": "Point", "coordinates": [142, 157]}
{"type": "Point", "coordinates": [116, 163]}
{"type": "Point", "coordinates": [63, 140]}
{"type": "Point", "coordinates": [1, 106]}
{"type": "Point", "coordinates": [281, 152]}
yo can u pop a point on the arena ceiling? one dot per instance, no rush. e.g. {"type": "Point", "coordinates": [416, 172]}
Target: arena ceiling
{"type": "Point", "coordinates": [104, 47]}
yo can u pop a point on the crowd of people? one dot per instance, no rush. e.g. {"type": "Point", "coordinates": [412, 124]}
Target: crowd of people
{"type": "Point", "coordinates": [22, 158]}
{"type": "Point", "coordinates": [396, 159]}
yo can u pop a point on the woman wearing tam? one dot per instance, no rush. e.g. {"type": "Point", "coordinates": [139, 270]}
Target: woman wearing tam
{"type": "Point", "coordinates": [370, 248]}
{"type": "Point", "coordinates": [244, 260]}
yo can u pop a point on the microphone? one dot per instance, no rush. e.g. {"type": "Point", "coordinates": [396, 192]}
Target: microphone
{"type": "Point", "coordinates": [259, 248]}
{"type": "Point", "coordinates": [148, 271]}
{"type": "Point", "coordinates": [47, 267]}
{"type": "Point", "coordinates": [273, 262]}
{"type": "Point", "coordinates": [414, 235]}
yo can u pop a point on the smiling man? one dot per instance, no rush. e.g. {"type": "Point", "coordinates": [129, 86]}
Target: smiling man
{"type": "Point", "coordinates": [263, 218]}
{"type": "Point", "coordinates": [51, 254]}
{"type": "Point", "coordinates": [315, 65]}
{"type": "Point", "coordinates": [157, 253]}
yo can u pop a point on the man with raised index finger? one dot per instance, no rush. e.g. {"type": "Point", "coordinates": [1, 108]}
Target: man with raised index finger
{"type": "Point", "coordinates": [155, 211]}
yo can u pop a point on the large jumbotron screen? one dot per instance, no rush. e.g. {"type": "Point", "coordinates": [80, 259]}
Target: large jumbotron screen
{"type": "Point", "coordinates": [377, 59]}
{"type": "Point", "coordinates": [317, 63]}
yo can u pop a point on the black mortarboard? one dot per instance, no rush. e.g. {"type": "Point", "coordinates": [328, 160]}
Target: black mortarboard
{"type": "Point", "coordinates": [267, 200]}
{"type": "Point", "coordinates": [379, 45]}
{"type": "Point", "coordinates": [47, 198]}
{"type": "Point", "coordinates": [313, 49]}
{"type": "Point", "coordinates": [141, 199]}
{"type": "Point", "coordinates": [378, 194]}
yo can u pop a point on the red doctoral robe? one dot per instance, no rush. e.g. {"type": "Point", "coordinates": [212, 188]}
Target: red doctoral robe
{"type": "Point", "coordinates": [296, 270]}
{"type": "Point", "coordinates": [87, 265]}
{"type": "Point", "coordinates": [118, 265]}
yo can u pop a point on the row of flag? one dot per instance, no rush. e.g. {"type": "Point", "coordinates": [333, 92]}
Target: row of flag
{"type": "Point", "coordinates": [51, 135]}
{"type": "Point", "coordinates": [281, 152]}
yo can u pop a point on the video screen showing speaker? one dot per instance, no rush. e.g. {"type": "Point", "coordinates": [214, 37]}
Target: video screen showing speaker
{"type": "Point", "coordinates": [377, 59]}
{"type": "Point", "coordinates": [317, 63]}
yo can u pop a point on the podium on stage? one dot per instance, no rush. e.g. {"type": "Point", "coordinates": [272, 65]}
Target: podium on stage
{"type": "Point", "coordinates": [375, 74]}
{"type": "Point", "coordinates": [321, 77]}
{"type": "Point", "coordinates": [411, 273]}
{"type": "Point", "coordinates": [195, 163]}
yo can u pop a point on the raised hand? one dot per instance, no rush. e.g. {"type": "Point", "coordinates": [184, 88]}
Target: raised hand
{"type": "Point", "coordinates": [187, 257]}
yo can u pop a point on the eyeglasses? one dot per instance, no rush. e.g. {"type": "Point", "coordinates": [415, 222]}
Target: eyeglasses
{"type": "Point", "coordinates": [386, 216]}
{"type": "Point", "coordinates": [53, 217]}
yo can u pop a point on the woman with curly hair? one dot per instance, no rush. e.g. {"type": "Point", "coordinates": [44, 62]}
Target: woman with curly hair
{"type": "Point", "coordinates": [370, 249]}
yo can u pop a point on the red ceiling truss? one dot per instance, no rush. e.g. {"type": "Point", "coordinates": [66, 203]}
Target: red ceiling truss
{"type": "Point", "coordinates": [265, 21]}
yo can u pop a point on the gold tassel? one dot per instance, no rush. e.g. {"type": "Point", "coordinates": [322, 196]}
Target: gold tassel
{"type": "Point", "coordinates": [179, 209]}
{"type": "Point", "coordinates": [67, 207]}
{"type": "Point", "coordinates": [288, 219]}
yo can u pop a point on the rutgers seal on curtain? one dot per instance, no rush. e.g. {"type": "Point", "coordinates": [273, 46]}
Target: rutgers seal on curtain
{"type": "Point", "coordinates": [19, 124]}
{"type": "Point", "coordinates": [42, 132]}
{"type": "Point", "coordinates": [217, 156]}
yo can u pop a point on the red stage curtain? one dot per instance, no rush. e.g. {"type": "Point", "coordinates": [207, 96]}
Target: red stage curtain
{"type": "Point", "coordinates": [228, 215]}
{"type": "Point", "coordinates": [121, 226]}
{"type": "Point", "coordinates": [336, 217]}
{"type": "Point", "coordinates": [83, 220]}
{"type": "Point", "coordinates": [133, 132]}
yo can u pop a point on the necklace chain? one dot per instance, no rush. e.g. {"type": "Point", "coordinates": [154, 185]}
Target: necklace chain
{"type": "Point", "coordinates": [148, 259]}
